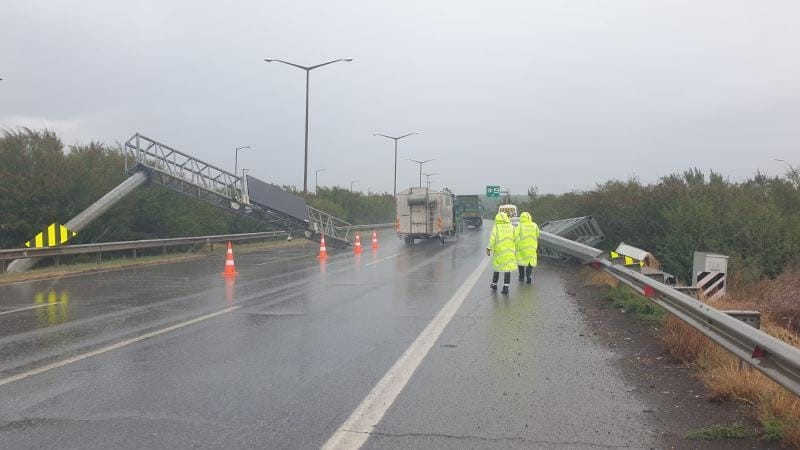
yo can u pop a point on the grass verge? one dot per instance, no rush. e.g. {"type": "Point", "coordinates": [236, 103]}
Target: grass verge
{"type": "Point", "coordinates": [776, 409]}
{"type": "Point", "coordinates": [722, 431]}
{"type": "Point", "coordinates": [629, 301]}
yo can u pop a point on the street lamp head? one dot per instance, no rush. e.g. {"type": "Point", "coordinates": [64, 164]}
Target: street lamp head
{"type": "Point", "coordinates": [269, 59]}
{"type": "Point", "coordinates": [347, 59]}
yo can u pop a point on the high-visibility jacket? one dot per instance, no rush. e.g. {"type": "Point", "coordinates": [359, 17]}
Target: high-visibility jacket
{"type": "Point", "coordinates": [526, 238]}
{"type": "Point", "coordinates": [501, 243]}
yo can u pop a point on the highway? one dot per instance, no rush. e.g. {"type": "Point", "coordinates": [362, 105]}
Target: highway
{"type": "Point", "coordinates": [400, 347]}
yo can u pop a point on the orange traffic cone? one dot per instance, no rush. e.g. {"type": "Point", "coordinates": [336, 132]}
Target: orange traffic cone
{"type": "Point", "coordinates": [374, 240]}
{"type": "Point", "coordinates": [357, 248]}
{"type": "Point", "coordinates": [230, 267]}
{"type": "Point", "coordinates": [323, 251]}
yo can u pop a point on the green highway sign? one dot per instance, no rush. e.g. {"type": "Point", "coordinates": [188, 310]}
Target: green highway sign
{"type": "Point", "coordinates": [493, 191]}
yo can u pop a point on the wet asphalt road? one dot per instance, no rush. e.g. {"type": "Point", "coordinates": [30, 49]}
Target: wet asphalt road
{"type": "Point", "coordinates": [281, 357]}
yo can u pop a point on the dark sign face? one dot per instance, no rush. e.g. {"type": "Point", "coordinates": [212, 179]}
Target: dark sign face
{"type": "Point", "coordinates": [275, 198]}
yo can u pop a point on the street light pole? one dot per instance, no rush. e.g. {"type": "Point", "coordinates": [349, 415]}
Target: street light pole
{"type": "Point", "coordinates": [308, 70]}
{"type": "Point", "coordinates": [351, 184]}
{"type": "Point", "coordinates": [395, 153]}
{"type": "Point", "coordinates": [236, 161]}
{"type": "Point", "coordinates": [244, 174]}
{"type": "Point", "coordinates": [420, 167]}
{"type": "Point", "coordinates": [316, 179]}
{"type": "Point", "coordinates": [428, 178]}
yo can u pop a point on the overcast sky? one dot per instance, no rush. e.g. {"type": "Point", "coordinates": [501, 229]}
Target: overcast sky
{"type": "Point", "coordinates": [557, 94]}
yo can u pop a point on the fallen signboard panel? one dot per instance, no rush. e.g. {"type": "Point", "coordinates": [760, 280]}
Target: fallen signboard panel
{"type": "Point", "coordinates": [276, 199]}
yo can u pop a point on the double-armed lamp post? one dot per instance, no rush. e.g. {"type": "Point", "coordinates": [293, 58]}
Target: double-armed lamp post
{"type": "Point", "coordinates": [395, 153]}
{"type": "Point", "coordinates": [308, 70]}
{"type": "Point", "coordinates": [420, 167]}
{"type": "Point", "coordinates": [428, 178]}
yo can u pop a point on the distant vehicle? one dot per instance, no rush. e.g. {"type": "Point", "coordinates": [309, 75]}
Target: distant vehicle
{"type": "Point", "coordinates": [511, 211]}
{"type": "Point", "coordinates": [425, 214]}
{"type": "Point", "coordinates": [470, 208]}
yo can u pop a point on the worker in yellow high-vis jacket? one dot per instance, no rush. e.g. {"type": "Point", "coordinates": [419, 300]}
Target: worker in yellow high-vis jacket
{"type": "Point", "coordinates": [501, 243]}
{"type": "Point", "coordinates": [526, 238]}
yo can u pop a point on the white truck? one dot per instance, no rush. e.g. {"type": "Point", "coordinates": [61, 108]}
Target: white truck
{"type": "Point", "coordinates": [425, 214]}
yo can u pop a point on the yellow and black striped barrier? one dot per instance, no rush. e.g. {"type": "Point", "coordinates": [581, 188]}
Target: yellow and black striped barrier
{"type": "Point", "coordinates": [54, 235]}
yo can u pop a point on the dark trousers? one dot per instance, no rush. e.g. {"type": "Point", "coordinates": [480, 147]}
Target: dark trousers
{"type": "Point", "coordinates": [525, 271]}
{"type": "Point", "coordinates": [506, 277]}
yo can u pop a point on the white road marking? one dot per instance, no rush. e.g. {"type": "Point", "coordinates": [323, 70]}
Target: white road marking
{"type": "Point", "coordinates": [280, 260]}
{"type": "Point", "coordinates": [27, 308]}
{"type": "Point", "coordinates": [355, 431]}
{"type": "Point", "coordinates": [381, 260]}
{"type": "Point", "coordinates": [109, 348]}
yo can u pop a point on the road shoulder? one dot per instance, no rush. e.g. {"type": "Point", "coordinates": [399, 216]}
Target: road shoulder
{"type": "Point", "coordinates": [677, 402]}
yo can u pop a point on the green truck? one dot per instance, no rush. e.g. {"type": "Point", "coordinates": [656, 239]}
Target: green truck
{"type": "Point", "coordinates": [470, 210]}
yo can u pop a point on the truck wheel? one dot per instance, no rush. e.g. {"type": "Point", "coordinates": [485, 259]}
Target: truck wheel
{"type": "Point", "coordinates": [409, 240]}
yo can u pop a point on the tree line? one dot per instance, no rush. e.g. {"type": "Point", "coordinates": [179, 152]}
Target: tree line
{"type": "Point", "coordinates": [43, 181]}
{"type": "Point", "coordinates": [756, 222]}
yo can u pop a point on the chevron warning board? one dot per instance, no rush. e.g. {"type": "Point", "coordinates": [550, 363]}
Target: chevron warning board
{"type": "Point", "coordinates": [55, 234]}
{"type": "Point", "coordinates": [628, 260]}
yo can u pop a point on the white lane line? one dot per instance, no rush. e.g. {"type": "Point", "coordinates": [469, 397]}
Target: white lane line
{"type": "Point", "coordinates": [27, 308]}
{"type": "Point", "coordinates": [355, 431]}
{"type": "Point", "coordinates": [109, 348]}
{"type": "Point", "coordinates": [381, 260]}
{"type": "Point", "coordinates": [279, 260]}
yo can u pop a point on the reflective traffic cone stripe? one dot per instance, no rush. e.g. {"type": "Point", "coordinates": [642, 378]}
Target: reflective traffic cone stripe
{"type": "Point", "coordinates": [357, 248]}
{"type": "Point", "coordinates": [230, 267]}
{"type": "Point", "coordinates": [323, 252]}
{"type": "Point", "coordinates": [374, 240]}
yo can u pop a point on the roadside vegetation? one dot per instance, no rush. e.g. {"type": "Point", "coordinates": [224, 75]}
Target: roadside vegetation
{"type": "Point", "coordinates": [756, 222]}
{"type": "Point", "coordinates": [629, 301]}
{"type": "Point", "coordinates": [354, 207]}
{"type": "Point", "coordinates": [42, 181]}
{"type": "Point", "coordinates": [776, 409]}
{"type": "Point", "coordinates": [722, 431]}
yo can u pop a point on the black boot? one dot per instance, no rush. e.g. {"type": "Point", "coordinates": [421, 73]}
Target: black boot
{"type": "Point", "coordinates": [505, 289]}
{"type": "Point", "coordinates": [529, 280]}
{"type": "Point", "coordinates": [493, 286]}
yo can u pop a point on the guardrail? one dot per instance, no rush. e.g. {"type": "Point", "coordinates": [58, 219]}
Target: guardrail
{"type": "Point", "coordinates": [773, 357]}
{"type": "Point", "coordinates": [16, 253]}
{"type": "Point", "coordinates": [103, 247]}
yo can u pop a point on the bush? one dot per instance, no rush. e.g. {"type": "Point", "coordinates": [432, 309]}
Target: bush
{"type": "Point", "coordinates": [756, 222]}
